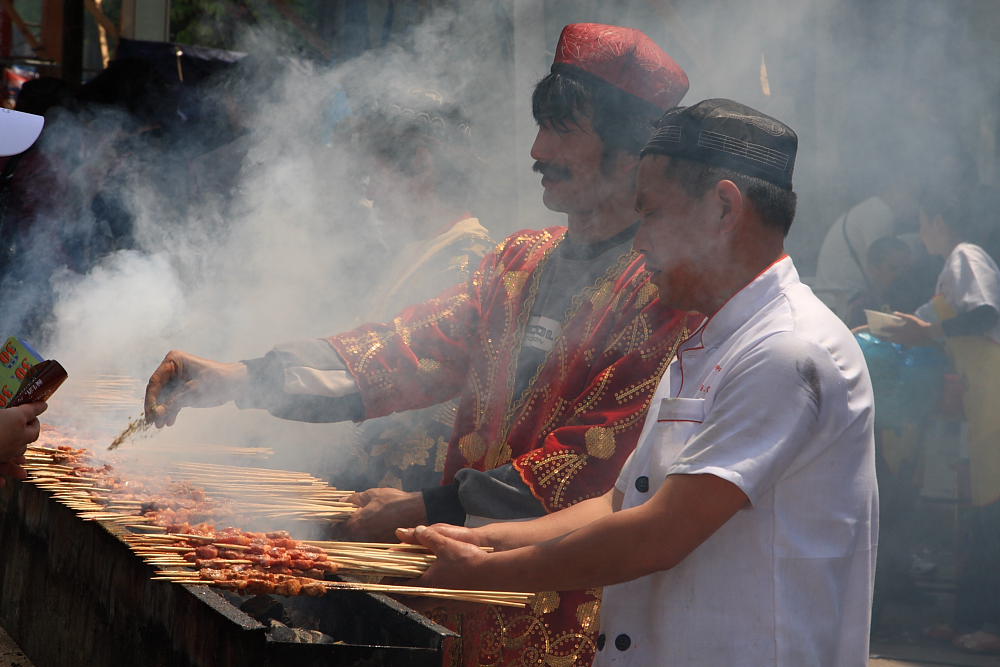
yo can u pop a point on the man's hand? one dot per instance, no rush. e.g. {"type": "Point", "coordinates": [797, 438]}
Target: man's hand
{"type": "Point", "coordinates": [912, 331]}
{"type": "Point", "coordinates": [382, 512]}
{"type": "Point", "coordinates": [460, 533]}
{"type": "Point", "coordinates": [18, 427]}
{"type": "Point", "coordinates": [184, 380]}
{"type": "Point", "coordinates": [460, 564]}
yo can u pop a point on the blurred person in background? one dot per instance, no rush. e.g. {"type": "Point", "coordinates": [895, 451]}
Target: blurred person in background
{"type": "Point", "coordinates": [18, 425]}
{"type": "Point", "coordinates": [841, 273]}
{"type": "Point", "coordinates": [30, 181]}
{"type": "Point", "coordinates": [888, 263]}
{"type": "Point", "coordinates": [67, 202]}
{"type": "Point", "coordinates": [418, 149]}
{"type": "Point", "coordinates": [964, 317]}
{"type": "Point", "coordinates": [906, 383]}
{"type": "Point", "coordinates": [552, 347]}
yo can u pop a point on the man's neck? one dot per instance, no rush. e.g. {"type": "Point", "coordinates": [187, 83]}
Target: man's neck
{"type": "Point", "coordinates": [599, 224]}
{"type": "Point", "coordinates": [716, 287]}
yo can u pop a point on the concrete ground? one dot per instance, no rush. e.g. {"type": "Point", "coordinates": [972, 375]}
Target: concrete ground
{"type": "Point", "coordinates": [925, 655]}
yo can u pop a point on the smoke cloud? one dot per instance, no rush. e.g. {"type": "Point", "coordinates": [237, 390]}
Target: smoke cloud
{"type": "Point", "coordinates": [237, 245]}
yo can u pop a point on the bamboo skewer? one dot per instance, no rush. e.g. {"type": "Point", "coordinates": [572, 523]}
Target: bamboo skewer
{"type": "Point", "coordinates": [273, 494]}
{"type": "Point", "coordinates": [499, 598]}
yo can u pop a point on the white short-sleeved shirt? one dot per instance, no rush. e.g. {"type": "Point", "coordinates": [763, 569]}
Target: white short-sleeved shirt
{"type": "Point", "coordinates": [838, 273]}
{"type": "Point", "coordinates": [970, 279]}
{"type": "Point", "coordinates": [773, 395]}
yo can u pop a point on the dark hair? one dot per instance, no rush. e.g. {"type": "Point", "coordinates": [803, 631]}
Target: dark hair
{"type": "Point", "coordinates": [622, 121]}
{"type": "Point", "coordinates": [955, 208]}
{"type": "Point", "coordinates": [39, 95]}
{"type": "Point", "coordinates": [396, 132]}
{"type": "Point", "coordinates": [775, 205]}
{"type": "Point", "coordinates": [134, 85]}
{"type": "Point", "coordinates": [882, 248]}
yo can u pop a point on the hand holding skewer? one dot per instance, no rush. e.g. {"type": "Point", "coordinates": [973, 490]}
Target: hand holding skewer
{"type": "Point", "coordinates": [184, 380]}
{"type": "Point", "coordinates": [460, 561]}
{"type": "Point", "coordinates": [382, 511]}
{"type": "Point", "coordinates": [18, 427]}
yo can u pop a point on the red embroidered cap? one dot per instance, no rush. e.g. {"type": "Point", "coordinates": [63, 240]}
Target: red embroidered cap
{"type": "Point", "coordinates": [624, 57]}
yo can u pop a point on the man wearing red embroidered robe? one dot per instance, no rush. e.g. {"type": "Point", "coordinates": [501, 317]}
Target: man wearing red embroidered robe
{"type": "Point", "coordinates": [553, 347]}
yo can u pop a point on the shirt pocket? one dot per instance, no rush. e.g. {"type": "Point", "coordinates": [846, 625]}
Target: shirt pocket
{"type": "Point", "coordinates": [690, 410]}
{"type": "Point", "coordinates": [676, 420]}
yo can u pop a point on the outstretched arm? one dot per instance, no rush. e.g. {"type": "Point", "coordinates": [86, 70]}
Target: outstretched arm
{"type": "Point", "coordinates": [602, 547]}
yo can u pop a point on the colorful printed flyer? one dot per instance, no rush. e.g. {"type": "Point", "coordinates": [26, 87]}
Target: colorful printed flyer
{"type": "Point", "coordinates": [16, 358]}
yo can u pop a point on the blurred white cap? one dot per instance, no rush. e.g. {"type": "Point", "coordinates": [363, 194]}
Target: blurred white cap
{"type": "Point", "coordinates": [18, 130]}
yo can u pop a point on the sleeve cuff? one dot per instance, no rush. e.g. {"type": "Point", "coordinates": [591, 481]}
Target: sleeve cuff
{"type": "Point", "coordinates": [265, 390]}
{"type": "Point", "coordinates": [443, 505]}
{"type": "Point", "coordinates": [257, 377]}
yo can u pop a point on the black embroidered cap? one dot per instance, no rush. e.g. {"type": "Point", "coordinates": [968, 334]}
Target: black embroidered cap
{"type": "Point", "coordinates": [724, 133]}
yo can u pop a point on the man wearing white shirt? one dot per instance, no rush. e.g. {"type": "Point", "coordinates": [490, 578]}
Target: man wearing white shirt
{"type": "Point", "coordinates": [964, 315]}
{"type": "Point", "coordinates": [742, 530]}
{"type": "Point", "coordinates": [840, 267]}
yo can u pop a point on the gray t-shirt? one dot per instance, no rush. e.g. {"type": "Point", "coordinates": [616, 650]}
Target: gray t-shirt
{"type": "Point", "coordinates": [573, 267]}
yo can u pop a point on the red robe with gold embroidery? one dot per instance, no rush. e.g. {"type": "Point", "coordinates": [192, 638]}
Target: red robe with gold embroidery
{"type": "Point", "coordinates": [570, 431]}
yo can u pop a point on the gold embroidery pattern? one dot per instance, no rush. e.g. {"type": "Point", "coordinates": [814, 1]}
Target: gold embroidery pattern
{"type": "Point", "coordinates": [559, 406]}
{"type": "Point", "coordinates": [588, 613]}
{"type": "Point", "coordinates": [600, 442]}
{"type": "Point", "coordinates": [476, 388]}
{"type": "Point", "coordinates": [428, 365]}
{"type": "Point", "coordinates": [513, 282]}
{"type": "Point", "coordinates": [472, 446]}
{"type": "Point", "coordinates": [545, 603]}
{"type": "Point", "coordinates": [647, 293]}
{"type": "Point", "coordinates": [591, 399]}
{"type": "Point", "coordinates": [367, 346]}
{"type": "Point", "coordinates": [445, 413]}
{"type": "Point", "coordinates": [560, 468]}
{"type": "Point", "coordinates": [402, 450]}
{"type": "Point", "coordinates": [500, 456]}
{"type": "Point", "coordinates": [609, 276]}
{"type": "Point", "coordinates": [441, 456]}
{"type": "Point", "coordinates": [514, 327]}
{"type": "Point", "coordinates": [624, 395]}
{"type": "Point", "coordinates": [602, 296]}
{"type": "Point", "coordinates": [527, 636]}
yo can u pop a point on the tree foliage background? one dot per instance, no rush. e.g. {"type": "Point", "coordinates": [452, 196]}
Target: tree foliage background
{"type": "Point", "coordinates": [219, 23]}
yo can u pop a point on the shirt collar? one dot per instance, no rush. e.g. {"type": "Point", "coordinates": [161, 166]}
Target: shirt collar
{"type": "Point", "coordinates": [747, 302]}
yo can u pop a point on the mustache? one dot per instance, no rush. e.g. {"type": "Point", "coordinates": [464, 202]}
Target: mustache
{"type": "Point", "coordinates": [554, 171]}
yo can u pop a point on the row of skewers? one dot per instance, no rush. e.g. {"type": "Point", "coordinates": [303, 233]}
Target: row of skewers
{"type": "Point", "coordinates": [290, 567]}
{"type": "Point", "coordinates": [170, 523]}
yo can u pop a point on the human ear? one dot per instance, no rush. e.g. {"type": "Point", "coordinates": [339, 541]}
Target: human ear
{"type": "Point", "coordinates": [729, 201]}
